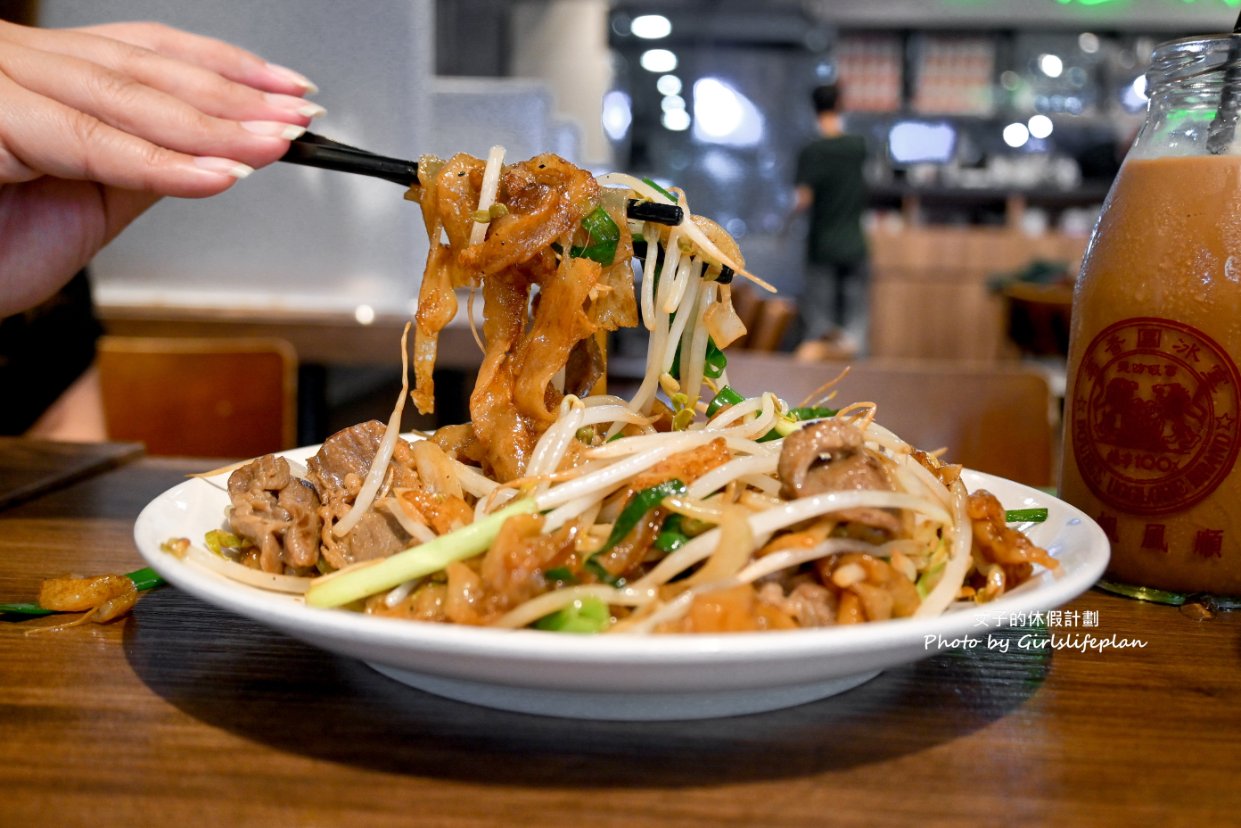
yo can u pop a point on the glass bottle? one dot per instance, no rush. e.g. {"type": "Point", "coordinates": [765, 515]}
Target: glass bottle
{"type": "Point", "coordinates": [1153, 398]}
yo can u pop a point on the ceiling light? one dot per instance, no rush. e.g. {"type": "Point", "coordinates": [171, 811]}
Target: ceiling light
{"type": "Point", "coordinates": [1050, 65]}
{"type": "Point", "coordinates": [658, 60]}
{"type": "Point", "coordinates": [1040, 126]}
{"type": "Point", "coordinates": [668, 85]}
{"type": "Point", "coordinates": [676, 120]}
{"type": "Point", "coordinates": [617, 114]}
{"type": "Point", "coordinates": [651, 26]}
{"type": "Point", "coordinates": [723, 115]}
{"type": "Point", "coordinates": [1016, 135]}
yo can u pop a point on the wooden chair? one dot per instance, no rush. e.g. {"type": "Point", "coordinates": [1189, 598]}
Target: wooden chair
{"type": "Point", "coordinates": [1038, 317]}
{"type": "Point", "coordinates": [998, 419]}
{"type": "Point", "coordinates": [766, 318]}
{"type": "Point", "coordinates": [775, 315]}
{"type": "Point", "coordinates": [200, 397]}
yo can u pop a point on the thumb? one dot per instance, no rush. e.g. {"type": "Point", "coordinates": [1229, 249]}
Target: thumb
{"type": "Point", "coordinates": [53, 227]}
{"type": "Point", "coordinates": [121, 207]}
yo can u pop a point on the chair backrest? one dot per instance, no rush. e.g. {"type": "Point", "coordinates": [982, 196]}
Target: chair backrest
{"type": "Point", "coordinates": [200, 397]}
{"type": "Point", "coordinates": [774, 318]}
{"type": "Point", "coordinates": [1039, 317]}
{"type": "Point", "coordinates": [993, 418]}
{"type": "Point", "coordinates": [766, 318]}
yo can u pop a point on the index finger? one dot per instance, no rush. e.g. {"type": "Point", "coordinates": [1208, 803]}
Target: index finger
{"type": "Point", "coordinates": [40, 136]}
{"type": "Point", "coordinates": [225, 59]}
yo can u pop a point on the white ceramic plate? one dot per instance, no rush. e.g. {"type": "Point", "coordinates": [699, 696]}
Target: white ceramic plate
{"type": "Point", "coordinates": [622, 677]}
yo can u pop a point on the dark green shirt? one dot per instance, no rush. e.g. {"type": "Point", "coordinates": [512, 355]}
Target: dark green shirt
{"type": "Point", "coordinates": [832, 169]}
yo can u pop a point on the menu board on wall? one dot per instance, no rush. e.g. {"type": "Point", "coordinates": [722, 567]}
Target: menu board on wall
{"type": "Point", "coordinates": [870, 70]}
{"type": "Point", "coordinates": [954, 75]}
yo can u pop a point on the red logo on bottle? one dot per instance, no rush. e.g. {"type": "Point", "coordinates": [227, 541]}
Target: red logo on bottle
{"type": "Point", "coordinates": [1154, 415]}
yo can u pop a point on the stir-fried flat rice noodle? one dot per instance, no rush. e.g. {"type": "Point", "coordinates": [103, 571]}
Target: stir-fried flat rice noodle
{"type": "Point", "coordinates": [690, 507]}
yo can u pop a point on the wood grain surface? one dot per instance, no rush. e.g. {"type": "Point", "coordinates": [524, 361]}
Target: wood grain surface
{"type": "Point", "coordinates": [185, 715]}
{"type": "Point", "coordinates": [30, 467]}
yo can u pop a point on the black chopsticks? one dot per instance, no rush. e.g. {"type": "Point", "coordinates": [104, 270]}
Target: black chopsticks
{"type": "Point", "coordinates": [311, 150]}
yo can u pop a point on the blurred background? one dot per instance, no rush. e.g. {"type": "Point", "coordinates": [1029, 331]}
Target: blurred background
{"type": "Point", "coordinates": [993, 128]}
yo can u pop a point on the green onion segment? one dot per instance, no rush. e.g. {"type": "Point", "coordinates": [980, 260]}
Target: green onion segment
{"type": "Point", "coordinates": [723, 398]}
{"type": "Point", "coordinates": [660, 189]}
{"type": "Point", "coordinates": [1036, 515]}
{"type": "Point", "coordinates": [585, 615]}
{"type": "Point", "coordinates": [604, 237]}
{"type": "Point", "coordinates": [713, 367]}
{"type": "Point", "coordinates": [636, 509]}
{"type": "Point", "coordinates": [349, 585]}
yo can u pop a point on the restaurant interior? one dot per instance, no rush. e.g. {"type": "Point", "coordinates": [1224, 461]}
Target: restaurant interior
{"type": "Point", "coordinates": [993, 130]}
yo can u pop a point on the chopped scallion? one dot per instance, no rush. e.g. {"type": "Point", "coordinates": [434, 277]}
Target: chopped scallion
{"type": "Point", "coordinates": [636, 509]}
{"type": "Point", "coordinates": [358, 581]}
{"type": "Point", "coordinates": [661, 190]}
{"type": "Point", "coordinates": [585, 615]}
{"type": "Point", "coordinates": [714, 365]}
{"type": "Point", "coordinates": [725, 397]}
{"type": "Point", "coordinates": [604, 236]}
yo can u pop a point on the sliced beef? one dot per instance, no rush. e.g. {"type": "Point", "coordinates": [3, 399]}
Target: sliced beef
{"type": "Point", "coordinates": [277, 512]}
{"type": "Point", "coordinates": [341, 464]}
{"type": "Point", "coordinates": [376, 535]}
{"type": "Point", "coordinates": [337, 471]}
{"type": "Point", "coordinates": [830, 456]}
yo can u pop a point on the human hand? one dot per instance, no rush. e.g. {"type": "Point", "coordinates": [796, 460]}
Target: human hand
{"type": "Point", "coordinates": [96, 124]}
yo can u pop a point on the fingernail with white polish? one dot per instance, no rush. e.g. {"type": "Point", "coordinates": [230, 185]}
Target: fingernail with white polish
{"type": "Point", "coordinates": [274, 128]}
{"type": "Point", "coordinates": [225, 165]}
{"type": "Point", "coordinates": [297, 77]}
{"type": "Point", "coordinates": [301, 106]}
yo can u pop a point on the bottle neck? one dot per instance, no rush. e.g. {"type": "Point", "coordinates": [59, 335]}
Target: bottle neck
{"type": "Point", "coordinates": [1195, 94]}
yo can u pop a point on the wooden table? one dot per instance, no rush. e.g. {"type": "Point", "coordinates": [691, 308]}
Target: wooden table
{"type": "Point", "coordinates": [185, 715]}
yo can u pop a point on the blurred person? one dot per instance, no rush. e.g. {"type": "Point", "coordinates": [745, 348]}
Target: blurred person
{"type": "Point", "coordinates": [96, 125]}
{"type": "Point", "coordinates": [831, 186]}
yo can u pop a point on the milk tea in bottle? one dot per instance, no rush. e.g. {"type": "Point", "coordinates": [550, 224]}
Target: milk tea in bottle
{"type": "Point", "coordinates": [1153, 398]}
